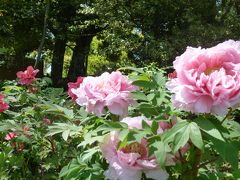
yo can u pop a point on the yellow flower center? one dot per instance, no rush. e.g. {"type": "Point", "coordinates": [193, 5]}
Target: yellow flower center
{"type": "Point", "coordinates": [210, 70]}
{"type": "Point", "coordinates": [135, 148]}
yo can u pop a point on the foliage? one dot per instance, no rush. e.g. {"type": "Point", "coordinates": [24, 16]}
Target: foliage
{"type": "Point", "coordinates": [62, 139]}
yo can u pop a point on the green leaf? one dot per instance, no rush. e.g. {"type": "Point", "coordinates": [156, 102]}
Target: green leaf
{"type": "Point", "coordinates": [181, 138]}
{"type": "Point", "coordinates": [145, 84]}
{"type": "Point", "coordinates": [154, 127]}
{"type": "Point", "coordinates": [159, 78]}
{"type": "Point", "coordinates": [139, 96]}
{"type": "Point", "coordinates": [209, 128]}
{"type": "Point", "coordinates": [132, 68]}
{"type": "Point", "coordinates": [146, 127]}
{"type": "Point", "coordinates": [87, 155]}
{"type": "Point", "coordinates": [65, 134]}
{"type": "Point", "coordinates": [123, 134]}
{"type": "Point", "coordinates": [161, 153]}
{"type": "Point", "coordinates": [196, 136]}
{"type": "Point", "coordinates": [168, 136]}
{"type": "Point", "coordinates": [227, 150]}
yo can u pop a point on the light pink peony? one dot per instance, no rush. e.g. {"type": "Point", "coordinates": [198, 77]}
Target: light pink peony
{"type": "Point", "coordinates": [108, 90]}
{"type": "Point", "coordinates": [10, 136]}
{"type": "Point", "coordinates": [208, 80]}
{"type": "Point", "coordinates": [132, 160]}
{"type": "Point", "coordinates": [26, 77]}
{"type": "Point", "coordinates": [3, 105]}
{"type": "Point", "coordinates": [75, 85]}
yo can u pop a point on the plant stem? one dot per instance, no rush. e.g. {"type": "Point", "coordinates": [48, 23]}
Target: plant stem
{"type": "Point", "coordinates": [192, 173]}
{"type": "Point", "coordinates": [229, 112]}
{"type": "Point", "coordinates": [114, 117]}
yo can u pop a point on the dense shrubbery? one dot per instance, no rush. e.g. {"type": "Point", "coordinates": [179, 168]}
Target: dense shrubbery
{"type": "Point", "coordinates": [138, 132]}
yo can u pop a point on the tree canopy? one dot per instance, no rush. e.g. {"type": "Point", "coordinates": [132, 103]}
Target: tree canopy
{"type": "Point", "coordinates": [140, 31]}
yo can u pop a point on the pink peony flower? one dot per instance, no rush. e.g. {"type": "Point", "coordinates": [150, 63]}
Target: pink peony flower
{"type": "Point", "coordinates": [132, 160]}
{"type": "Point", "coordinates": [108, 90]}
{"type": "Point", "coordinates": [25, 132]}
{"type": "Point", "coordinates": [10, 136]}
{"type": "Point", "coordinates": [3, 106]}
{"type": "Point", "coordinates": [208, 80]}
{"type": "Point", "coordinates": [33, 89]}
{"type": "Point", "coordinates": [46, 121]}
{"type": "Point", "coordinates": [75, 85]}
{"type": "Point", "coordinates": [172, 75]}
{"type": "Point", "coordinates": [26, 77]}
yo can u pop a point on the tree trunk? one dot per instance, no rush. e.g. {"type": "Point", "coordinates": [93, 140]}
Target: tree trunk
{"type": "Point", "coordinates": [19, 58]}
{"type": "Point", "coordinates": [57, 61]}
{"type": "Point", "coordinates": [78, 66]}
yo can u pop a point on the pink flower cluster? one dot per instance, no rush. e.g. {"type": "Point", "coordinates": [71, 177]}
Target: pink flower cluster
{"type": "Point", "coordinates": [19, 146]}
{"type": "Point", "coordinates": [132, 160]}
{"type": "Point", "coordinates": [108, 90]}
{"type": "Point", "coordinates": [208, 80]}
{"type": "Point", "coordinates": [3, 105]}
{"type": "Point", "coordinates": [11, 135]}
{"type": "Point", "coordinates": [26, 77]}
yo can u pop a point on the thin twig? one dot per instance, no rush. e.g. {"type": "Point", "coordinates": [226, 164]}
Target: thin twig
{"type": "Point", "coordinates": [207, 162]}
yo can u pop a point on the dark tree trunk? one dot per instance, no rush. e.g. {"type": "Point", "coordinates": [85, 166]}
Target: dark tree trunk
{"type": "Point", "coordinates": [19, 58]}
{"type": "Point", "coordinates": [78, 66]}
{"type": "Point", "coordinates": [57, 61]}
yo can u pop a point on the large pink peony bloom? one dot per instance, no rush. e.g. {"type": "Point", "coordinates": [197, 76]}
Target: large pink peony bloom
{"type": "Point", "coordinates": [132, 160]}
{"type": "Point", "coordinates": [75, 85]}
{"type": "Point", "coordinates": [208, 80]}
{"type": "Point", "coordinates": [108, 90]}
{"type": "Point", "coordinates": [26, 77]}
{"type": "Point", "coordinates": [3, 106]}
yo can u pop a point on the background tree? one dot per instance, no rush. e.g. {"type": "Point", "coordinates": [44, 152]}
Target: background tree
{"type": "Point", "coordinates": [127, 32]}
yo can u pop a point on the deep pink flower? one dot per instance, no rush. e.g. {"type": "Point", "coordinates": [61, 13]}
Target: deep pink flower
{"type": "Point", "coordinates": [47, 121]}
{"type": "Point", "coordinates": [108, 90]}
{"type": "Point", "coordinates": [25, 131]}
{"type": "Point", "coordinates": [3, 105]}
{"type": "Point", "coordinates": [75, 85]}
{"type": "Point", "coordinates": [18, 146]}
{"type": "Point", "coordinates": [208, 80]}
{"type": "Point", "coordinates": [33, 89]}
{"type": "Point", "coordinates": [132, 160]}
{"type": "Point", "coordinates": [26, 77]}
{"type": "Point", "coordinates": [172, 75]}
{"type": "Point", "coordinates": [10, 136]}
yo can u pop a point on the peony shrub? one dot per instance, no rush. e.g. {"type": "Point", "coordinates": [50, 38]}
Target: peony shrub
{"type": "Point", "coordinates": [147, 125]}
